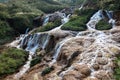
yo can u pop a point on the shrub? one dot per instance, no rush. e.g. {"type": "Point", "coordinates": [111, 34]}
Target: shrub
{"type": "Point", "coordinates": [75, 24]}
{"type": "Point", "coordinates": [103, 25]}
{"type": "Point", "coordinates": [10, 60]}
{"type": "Point", "coordinates": [21, 22]}
{"type": "Point", "coordinates": [47, 70]}
{"type": "Point", "coordinates": [35, 61]}
{"type": "Point", "coordinates": [6, 32]}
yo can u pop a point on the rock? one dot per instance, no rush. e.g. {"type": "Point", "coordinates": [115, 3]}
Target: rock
{"type": "Point", "coordinates": [90, 78]}
{"type": "Point", "coordinates": [102, 75]}
{"type": "Point", "coordinates": [102, 61]}
{"type": "Point", "coordinates": [115, 51]}
{"type": "Point", "coordinates": [38, 21]}
{"type": "Point", "coordinates": [72, 75]}
{"type": "Point", "coordinates": [83, 69]}
{"type": "Point", "coordinates": [99, 54]}
{"type": "Point", "coordinates": [95, 66]}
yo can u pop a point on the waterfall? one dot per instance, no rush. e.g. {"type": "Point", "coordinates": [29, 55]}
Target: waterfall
{"type": "Point", "coordinates": [32, 43]}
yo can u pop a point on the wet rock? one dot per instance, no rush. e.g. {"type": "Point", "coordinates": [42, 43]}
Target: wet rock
{"type": "Point", "coordinates": [102, 61]}
{"type": "Point", "coordinates": [114, 50]}
{"type": "Point", "coordinates": [83, 69]}
{"type": "Point", "coordinates": [95, 66]}
{"type": "Point", "coordinates": [99, 54]}
{"type": "Point", "coordinates": [72, 75]}
{"type": "Point", "coordinates": [102, 75]}
{"type": "Point", "coordinates": [90, 78]}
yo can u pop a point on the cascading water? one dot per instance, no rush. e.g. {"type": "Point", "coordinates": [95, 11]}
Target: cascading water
{"type": "Point", "coordinates": [46, 20]}
{"type": "Point", "coordinates": [102, 44]}
{"type": "Point", "coordinates": [31, 42]}
{"type": "Point", "coordinates": [110, 16]}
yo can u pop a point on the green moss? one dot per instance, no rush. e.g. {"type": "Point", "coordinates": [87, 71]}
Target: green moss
{"type": "Point", "coordinates": [48, 26]}
{"type": "Point", "coordinates": [47, 70]}
{"type": "Point", "coordinates": [10, 60]}
{"type": "Point", "coordinates": [103, 25]}
{"type": "Point", "coordinates": [35, 61]}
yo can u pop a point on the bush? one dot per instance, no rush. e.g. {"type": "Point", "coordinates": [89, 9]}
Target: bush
{"type": "Point", "coordinates": [75, 24]}
{"type": "Point", "coordinates": [21, 22]}
{"type": "Point", "coordinates": [103, 25]}
{"type": "Point", "coordinates": [11, 59]}
{"type": "Point", "coordinates": [6, 32]}
{"type": "Point", "coordinates": [35, 61]}
{"type": "Point", "coordinates": [47, 70]}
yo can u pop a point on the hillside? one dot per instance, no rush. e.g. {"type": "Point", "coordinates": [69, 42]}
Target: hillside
{"type": "Point", "coordinates": [18, 15]}
{"type": "Point", "coordinates": [60, 40]}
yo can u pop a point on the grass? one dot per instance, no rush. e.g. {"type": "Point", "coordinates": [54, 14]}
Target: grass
{"type": "Point", "coordinates": [10, 60]}
{"type": "Point", "coordinates": [103, 25]}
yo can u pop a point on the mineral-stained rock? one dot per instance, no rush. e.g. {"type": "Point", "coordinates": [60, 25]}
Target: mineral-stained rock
{"type": "Point", "coordinates": [102, 75]}
{"type": "Point", "coordinates": [89, 78]}
{"type": "Point", "coordinates": [83, 69]}
{"type": "Point", "coordinates": [102, 61]}
{"type": "Point", "coordinates": [95, 66]}
{"type": "Point", "coordinates": [72, 75]}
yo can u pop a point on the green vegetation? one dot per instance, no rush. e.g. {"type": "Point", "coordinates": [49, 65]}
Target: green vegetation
{"type": "Point", "coordinates": [17, 15]}
{"type": "Point", "coordinates": [6, 32]}
{"type": "Point", "coordinates": [10, 60]}
{"type": "Point", "coordinates": [35, 61]}
{"type": "Point", "coordinates": [103, 25]}
{"type": "Point", "coordinates": [48, 26]}
{"type": "Point", "coordinates": [117, 69]}
{"type": "Point", "coordinates": [78, 22]}
{"type": "Point", "coordinates": [47, 70]}
{"type": "Point", "coordinates": [21, 22]}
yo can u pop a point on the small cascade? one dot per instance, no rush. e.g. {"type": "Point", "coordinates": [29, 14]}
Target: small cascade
{"type": "Point", "coordinates": [65, 19]}
{"type": "Point", "coordinates": [46, 20]}
{"type": "Point", "coordinates": [94, 20]}
{"type": "Point", "coordinates": [110, 16]}
{"type": "Point", "coordinates": [31, 43]}
{"type": "Point", "coordinates": [82, 4]}
{"type": "Point", "coordinates": [27, 30]}
{"type": "Point", "coordinates": [58, 49]}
